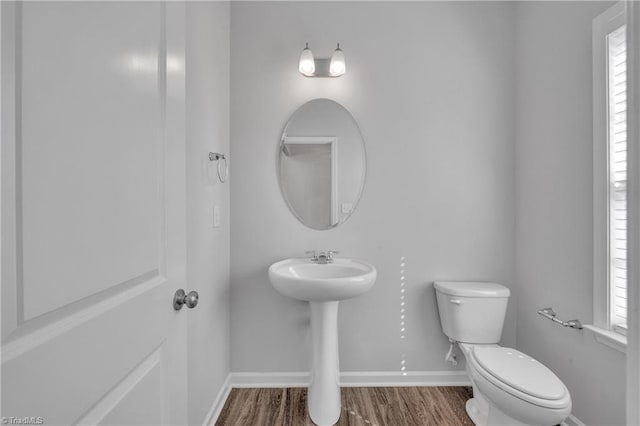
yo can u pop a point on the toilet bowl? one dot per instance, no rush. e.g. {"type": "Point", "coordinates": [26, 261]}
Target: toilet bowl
{"type": "Point", "coordinates": [509, 387]}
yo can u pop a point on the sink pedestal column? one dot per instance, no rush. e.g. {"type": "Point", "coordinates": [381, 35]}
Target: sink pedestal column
{"type": "Point", "coordinates": [323, 397]}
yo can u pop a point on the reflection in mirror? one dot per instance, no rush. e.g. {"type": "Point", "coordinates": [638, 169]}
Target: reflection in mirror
{"type": "Point", "coordinates": [322, 164]}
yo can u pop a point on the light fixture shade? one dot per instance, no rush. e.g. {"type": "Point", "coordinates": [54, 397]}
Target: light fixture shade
{"type": "Point", "coordinates": [338, 66]}
{"type": "Point", "coordinates": [307, 65]}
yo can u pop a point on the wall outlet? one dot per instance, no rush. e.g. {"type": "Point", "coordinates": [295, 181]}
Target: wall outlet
{"type": "Point", "coordinates": [216, 216]}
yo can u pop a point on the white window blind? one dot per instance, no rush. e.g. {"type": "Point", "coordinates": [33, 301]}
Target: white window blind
{"type": "Point", "coordinates": [617, 166]}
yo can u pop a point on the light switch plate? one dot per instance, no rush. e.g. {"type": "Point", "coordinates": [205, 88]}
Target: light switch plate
{"type": "Point", "coordinates": [216, 216]}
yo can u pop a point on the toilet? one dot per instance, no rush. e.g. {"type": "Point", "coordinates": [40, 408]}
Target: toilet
{"type": "Point", "coordinates": [509, 387]}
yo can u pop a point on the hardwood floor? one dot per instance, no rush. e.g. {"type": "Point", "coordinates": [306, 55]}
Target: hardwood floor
{"type": "Point", "coordinates": [406, 406]}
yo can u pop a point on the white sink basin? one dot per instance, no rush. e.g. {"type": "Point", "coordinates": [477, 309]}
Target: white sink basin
{"type": "Point", "coordinates": [305, 280]}
{"type": "Point", "coordinates": [323, 286]}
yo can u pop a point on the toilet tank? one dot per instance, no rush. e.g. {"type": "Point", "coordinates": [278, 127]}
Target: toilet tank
{"type": "Point", "coordinates": [472, 312]}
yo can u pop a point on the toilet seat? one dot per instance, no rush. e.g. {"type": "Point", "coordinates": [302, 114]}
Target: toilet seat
{"type": "Point", "coordinates": [519, 375]}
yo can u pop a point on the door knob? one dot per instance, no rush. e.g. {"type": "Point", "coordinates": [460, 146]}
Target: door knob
{"type": "Point", "coordinates": [181, 298]}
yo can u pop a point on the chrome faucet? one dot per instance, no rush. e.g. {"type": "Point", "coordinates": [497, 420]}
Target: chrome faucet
{"type": "Point", "coordinates": [322, 258]}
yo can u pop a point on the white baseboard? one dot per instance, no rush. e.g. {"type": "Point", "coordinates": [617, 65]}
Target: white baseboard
{"type": "Point", "coordinates": [573, 421]}
{"type": "Point", "coordinates": [400, 379]}
{"type": "Point", "coordinates": [270, 380]}
{"type": "Point", "coordinates": [353, 379]}
{"type": "Point", "coordinates": [218, 403]}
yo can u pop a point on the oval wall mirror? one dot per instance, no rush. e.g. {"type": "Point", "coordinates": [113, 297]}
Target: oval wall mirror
{"type": "Point", "coordinates": [322, 164]}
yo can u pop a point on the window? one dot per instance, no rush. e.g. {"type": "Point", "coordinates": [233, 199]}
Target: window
{"type": "Point", "coordinates": [617, 100]}
{"type": "Point", "coordinates": [610, 170]}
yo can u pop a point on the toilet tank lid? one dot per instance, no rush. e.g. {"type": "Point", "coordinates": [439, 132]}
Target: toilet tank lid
{"type": "Point", "coordinates": [471, 289]}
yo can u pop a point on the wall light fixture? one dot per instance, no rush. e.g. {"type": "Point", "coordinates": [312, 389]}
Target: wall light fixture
{"type": "Point", "coordinates": [307, 64]}
{"type": "Point", "coordinates": [322, 67]}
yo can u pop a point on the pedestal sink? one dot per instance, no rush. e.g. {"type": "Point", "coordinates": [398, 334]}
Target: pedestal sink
{"type": "Point", "coordinates": [323, 286]}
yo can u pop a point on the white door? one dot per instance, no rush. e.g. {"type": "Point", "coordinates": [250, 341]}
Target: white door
{"type": "Point", "coordinates": [93, 224]}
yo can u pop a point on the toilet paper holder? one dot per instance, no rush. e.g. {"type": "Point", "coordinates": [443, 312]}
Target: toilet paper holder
{"type": "Point", "coordinates": [550, 314]}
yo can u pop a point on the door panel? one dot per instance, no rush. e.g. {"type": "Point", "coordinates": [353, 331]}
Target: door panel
{"type": "Point", "coordinates": [93, 199]}
{"type": "Point", "coordinates": [90, 159]}
{"type": "Point", "coordinates": [136, 399]}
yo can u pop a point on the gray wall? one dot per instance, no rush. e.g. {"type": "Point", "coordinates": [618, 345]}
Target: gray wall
{"type": "Point", "coordinates": [207, 248]}
{"type": "Point", "coordinates": [431, 86]}
{"type": "Point", "coordinates": [554, 204]}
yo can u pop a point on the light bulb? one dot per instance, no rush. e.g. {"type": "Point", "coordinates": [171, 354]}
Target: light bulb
{"type": "Point", "coordinates": [307, 64]}
{"type": "Point", "coordinates": [338, 65]}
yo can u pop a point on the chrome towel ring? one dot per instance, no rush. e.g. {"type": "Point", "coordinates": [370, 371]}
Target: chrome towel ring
{"type": "Point", "coordinates": [216, 156]}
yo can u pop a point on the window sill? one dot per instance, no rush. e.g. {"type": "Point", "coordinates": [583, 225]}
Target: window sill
{"type": "Point", "coordinates": [610, 338]}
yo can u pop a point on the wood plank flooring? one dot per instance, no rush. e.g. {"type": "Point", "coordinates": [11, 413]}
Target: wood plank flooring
{"type": "Point", "coordinates": [405, 406]}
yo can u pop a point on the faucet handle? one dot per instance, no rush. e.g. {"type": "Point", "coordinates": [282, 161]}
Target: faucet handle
{"type": "Point", "coordinates": [330, 253]}
{"type": "Point", "coordinates": [314, 254]}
